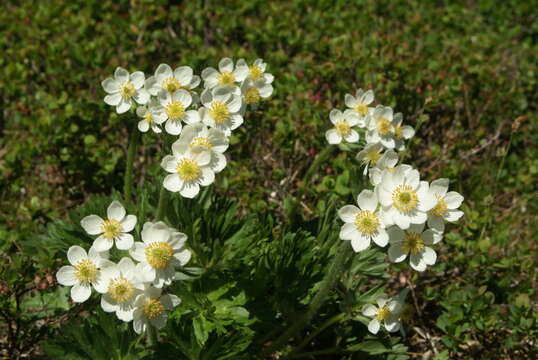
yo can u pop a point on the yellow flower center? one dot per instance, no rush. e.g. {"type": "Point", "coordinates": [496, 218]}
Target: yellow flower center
{"type": "Point", "coordinates": [175, 110]}
{"type": "Point", "coordinates": [398, 133]}
{"type": "Point", "coordinates": [121, 289]}
{"type": "Point", "coordinates": [383, 313]}
{"type": "Point", "coordinates": [440, 208]}
{"type": "Point", "coordinates": [343, 128]}
{"type": "Point", "coordinates": [85, 271]}
{"type": "Point", "coordinates": [405, 198]}
{"type": "Point", "coordinates": [412, 243]}
{"type": "Point", "coordinates": [158, 254]}
{"type": "Point", "coordinates": [153, 308]}
{"type": "Point", "coordinates": [219, 112]}
{"type": "Point", "coordinates": [226, 78]}
{"type": "Point", "coordinates": [111, 228]}
{"type": "Point", "coordinates": [362, 109]}
{"type": "Point", "coordinates": [188, 170]}
{"type": "Point", "coordinates": [171, 84]}
{"type": "Point", "coordinates": [252, 96]}
{"type": "Point", "coordinates": [384, 127]}
{"type": "Point", "coordinates": [127, 90]}
{"type": "Point", "coordinates": [255, 72]}
{"type": "Point", "coordinates": [149, 118]}
{"type": "Point", "coordinates": [373, 156]}
{"type": "Point", "coordinates": [367, 222]}
{"type": "Point", "coordinates": [201, 141]}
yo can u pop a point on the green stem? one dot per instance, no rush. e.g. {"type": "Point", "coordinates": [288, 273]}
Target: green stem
{"type": "Point", "coordinates": [316, 332]}
{"type": "Point", "coordinates": [131, 151]}
{"type": "Point", "coordinates": [327, 285]}
{"type": "Point", "coordinates": [152, 336]}
{"type": "Point", "coordinates": [162, 203]}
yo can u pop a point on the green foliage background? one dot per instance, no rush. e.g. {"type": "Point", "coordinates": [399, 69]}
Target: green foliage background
{"type": "Point", "coordinates": [462, 72]}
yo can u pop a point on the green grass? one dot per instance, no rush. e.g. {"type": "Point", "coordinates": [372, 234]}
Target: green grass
{"type": "Point", "coordinates": [463, 73]}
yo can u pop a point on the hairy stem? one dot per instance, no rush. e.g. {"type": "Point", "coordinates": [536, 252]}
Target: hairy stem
{"type": "Point", "coordinates": [335, 269]}
{"type": "Point", "coordinates": [128, 180]}
{"type": "Point", "coordinates": [152, 336]}
{"type": "Point", "coordinates": [162, 203]}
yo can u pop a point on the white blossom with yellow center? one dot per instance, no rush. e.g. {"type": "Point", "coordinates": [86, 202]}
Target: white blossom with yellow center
{"type": "Point", "coordinates": [227, 75]}
{"type": "Point", "coordinates": [172, 80]}
{"type": "Point", "coordinates": [188, 171]}
{"type": "Point", "coordinates": [152, 116]}
{"type": "Point", "coordinates": [446, 206]}
{"type": "Point", "coordinates": [255, 91]}
{"type": "Point", "coordinates": [386, 312]}
{"type": "Point", "coordinates": [360, 104]}
{"type": "Point", "coordinates": [343, 127]}
{"type": "Point", "coordinates": [256, 71]}
{"type": "Point", "coordinates": [84, 271]}
{"type": "Point", "coordinates": [175, 106]}
{"type": "Point", "coordinates": [221, 109]}
{"type": "Point", "coordinates": [405, 199]}
{"type": "Point", "coordinates": [401, 132]}
{"type": "Point", "coordinates": [115, 228]}
{"type": "Point", "coordinates": [387, 162]}
{"type": "Point", "coordinates": [124, 88]}
{"type": "Point", "coordinates": [370, 155]}
{"type": "Point", "coordinates": [161, 251]}
{"type": "Point", "coordinates": [381, 128]}
{"type": "Point", "coordinates": [364, 223]}
{"type": "Point", "coordinates": [151, 309]}
{"type": "Point", "coordinates": [120, 287]}
{"type": "Point", "coordinates": [414, 242]}
{"type": "Point", "coordinates": [200, 137]}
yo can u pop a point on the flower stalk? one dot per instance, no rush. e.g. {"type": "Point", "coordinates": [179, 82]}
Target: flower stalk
{"type": "Point", "coordinates": [335, 269]}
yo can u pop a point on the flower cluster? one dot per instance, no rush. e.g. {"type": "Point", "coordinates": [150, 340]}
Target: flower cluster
{"type": "Point", "coordinates": [401, 210]}
{"type": "Point", "coordinates": [203, 121]}
{"type": "Point", "coordinates": [131, 289]}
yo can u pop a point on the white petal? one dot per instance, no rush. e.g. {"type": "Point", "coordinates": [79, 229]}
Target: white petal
{"type": "Point", "coordinates": [170, 301]}
{"type": "Point", "coordinates": [173, 127]}
{"type": "Point", "coordinates": [429, 256]}
{"type": "Point", "coordinates": [127, 267]}
{"type": "Point", "coordinates": [439, 187]}
{"type": "Point", "coordinates": [333, 137]}
{"type": "Point", "coordinates": [436, 223]}
{"type": "Point", "coordinates": [75, 254]}
{"type": "Point", "coordinates": [381, 238]}
{"type": "Point", "coordinates": [80, 293]}
{"type": "Point", "coordinates": [164, 71]}
{"type": "Point", "coordinates": [124, 241]}
{"type": "Point", "coordinates": [192, 117]}
{"type": "Point", "coordinates": [123, 106]}
{"type": "Point", "coordinates": [141, 97]}
{"type": "Point", "coordinates": [385, 197]}
{"type": "Point", "coordinates": [367, 200]}
{"type": "Point", "coordinates": [392, 325]}
{"type": "Point", "coordinates": [403, 221]}
{"type": "Point", "coordinates": [113, 99]}
{"type": "Point", "coordinates": [102, 244]}
{"type": "Point", "coordinates": [190, 190]}
{"type": "Point", "coordinates": [66, 276]}
{"type": "Point", "coordinates": [369, 310]}
{"type": "Point", "coordinates": [115, 211]}
{"type": "Point", "coordinates": [431, 237]}
{"type": "Point", "coordinates": [183, 97]}
{"type": "Point", "coordinates": [360, 243]}
{"type": "Point", "coordinates": [128, 223]}
{"type": "Point", "coordinates": [349, 232]}
{"type": "Point", "coordinates": [453, 215]}
{"type": "Point", "coordinates": [121, 75]}
{"type": "Point", "coordinates": [183, 74]}
{"type": "Point", "coordinates": [353, 137]}
{"type": "Point", "coordinates": [226, 64]}
{"type": "Point", "coordinates": [396, 253]}
{"type": "Point", "coordinates": [417, 262]}
{"type": "Point", "coordinates": [183, 256]}
{"type": "Point", "coordinates": [208, 176]}
{"type": "Point", "coordinates": [373, 326]}
{"type": "Point", "coordinates": [92, 224]}
{"type": "Point", "coordinates": [111, 85]}
{"type": "Point", "coordinates": [143, 126]}
{"type": "Point", "coordinates": [173, 183]}
{"type": "Point", "coordinates": [348, 213]}
{"type": "Point", "coordinates": [137, 251]}
{"type": "Point", "coordinates": [137, 78]}
{"type": "Point", "coordinates": [335, 116]}
{"type": "Point", "coordinates": [108, 304]}
{"type": "Point", "coordinates": [453, 200]}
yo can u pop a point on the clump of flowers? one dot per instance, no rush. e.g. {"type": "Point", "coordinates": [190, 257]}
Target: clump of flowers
{"type": "Point", "coordinates": [401, 210]}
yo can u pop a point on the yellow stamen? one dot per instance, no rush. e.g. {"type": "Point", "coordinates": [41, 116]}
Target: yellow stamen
{"type": "Point", "coordinates": [252, 96]}
{"type": "Point", "coordinates": [149, 118]}
{"type": "Point", "coordinates": [201, 141]}
{"type": "Point", "coordinates": [127, 90]}
{"type": "Point", "coordinates": [367, 222]}
{"type": "Point", "coordinates": [85, 271]}
{"type": "Point", "coordinates": [219, 112]}
{"type": "Point", "coordinates": [175, 110]}
{"type": "Point", "coordinates": [405, 198]}
{"type": "Point", "coordinates": [440, 208]}
{"type": "Point", "coordinates": [121, 289]}
{"type": "Point", "coordinates": [171, 84]}
{"type": "Point", "coordinates": [383, 313]}
{"type": "Point", "coordinates": [398, 133]}
{"type": "Point", "coordinates": [158, 254]}
{"type": "Point", "coordinates": [384, 127]}
{"type": "Point", "coordinates": [373, 156]}
{"type": "Point", "coordinates": [255, 72]}
{"type": "Point", "coordinates": [362, 109]}
{"type": "Point", "coordinates": [343, 128]}
{"type": "Point", "coordinates": [153, 308]}
{"type": "Point", "coordinates": [111, 228]}
{"type": "Point", "coordinates": [412, 243]}
{"type": "Point", "coordinates": [188, 170]}
{"type": "Point", "coordinates": [226, 78]}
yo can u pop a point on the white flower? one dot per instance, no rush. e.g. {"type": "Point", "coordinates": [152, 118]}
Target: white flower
{"type": "Point", "coordinates": [162, 250]}
{"type": "Point", "coordinates": [115, 228]}
{"type": "Point", "coordinates": [413, 242]}
{"type": "Point", "coordinates": [254, 91]}
{"type": "Point", "coordinates": [152, 116]}
{"type": "Point", "coordinates": [123, 88]}
{"type": "Point", "coordinates": [170, 81]}
{"type": "Point", "coordinates": [188, 171]}
{"type": "Point", "coordinates": [370, 155]}
{"type": "Point", "coordinates": [225, 76]}
{"type": "Point", "coordinates": [174, 107]}
{"type": "Point", "coordinates": [120, 287]}
{"type": "Point", "coordinates": [401, 132]}
{"type": "Point", "coordinates": [256, 71]}
{"type": "Point", "coordinates": [343, 127]}
{"type": "Point", "coordinates": [404, 197]}
{"type": "Point", "coordinates": [388, 162]}
{"type": "Point", "coordinates": [386, 313]}
{"type": "Point", "coordinates": [446, 205]}
{"type": "Point", "coordinates": [380, 127]}
{"type": "Point", "coordinates": [359, 103]}
{"type": "Point", "coordinates": [84, 271]}
{"type": "Point", "coordinates": [363, 224]}
{"type": "Point", "coordinates": [151, 309]}
{"type": "Point", "coordinates": [199, 136]}
{"type": "Point", "coordinates": [221, 109]}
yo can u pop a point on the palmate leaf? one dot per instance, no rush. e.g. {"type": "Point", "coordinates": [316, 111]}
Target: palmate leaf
{"type": "Point", "coordinates": [99, 336]}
